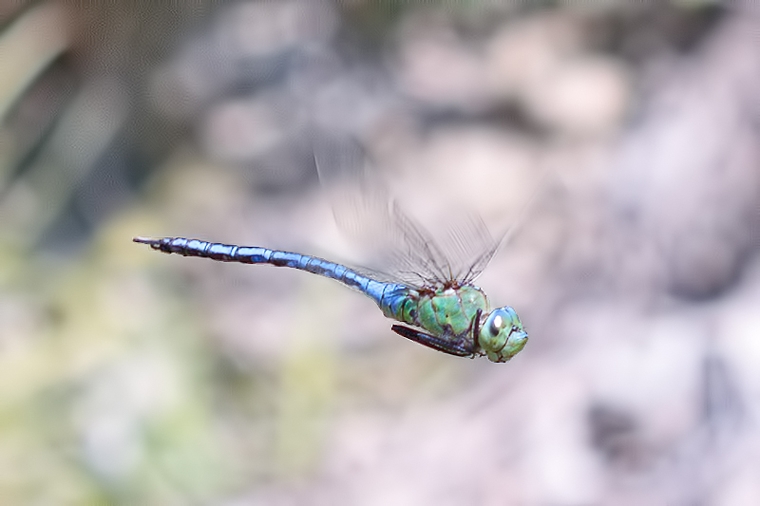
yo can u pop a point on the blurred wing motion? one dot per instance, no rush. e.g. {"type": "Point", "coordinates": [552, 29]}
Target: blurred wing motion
{"type": "Point", "coordinates": [405, 250]}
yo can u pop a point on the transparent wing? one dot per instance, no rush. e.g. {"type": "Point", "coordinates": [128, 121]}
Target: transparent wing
{"type": "Point", "coordinates": [486, 246]}
{"type": "Point", "coordinates": [471, 247]}
{"type": "Point", "coordinates": [403, 249]}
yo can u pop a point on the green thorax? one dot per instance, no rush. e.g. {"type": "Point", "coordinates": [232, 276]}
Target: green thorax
{"type": "Point", "coordinates": [443, 312]}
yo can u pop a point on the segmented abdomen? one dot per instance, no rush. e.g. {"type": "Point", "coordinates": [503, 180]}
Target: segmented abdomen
{"type": "Point", "coordinates": [385, 295]}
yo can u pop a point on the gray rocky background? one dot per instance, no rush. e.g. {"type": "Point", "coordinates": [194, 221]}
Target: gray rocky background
{"type": "Point", "coordinates": [617, 140]}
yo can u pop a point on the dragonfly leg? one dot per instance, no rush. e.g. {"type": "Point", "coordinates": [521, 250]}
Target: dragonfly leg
{"type": "Point", "coordinates": [476, 329]}
{"type": "Point", "coordinates": [434, 342]}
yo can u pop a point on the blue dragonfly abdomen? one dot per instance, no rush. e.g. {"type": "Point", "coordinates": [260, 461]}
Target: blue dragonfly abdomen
{"type": "Point", "coordinates": [390, 297]}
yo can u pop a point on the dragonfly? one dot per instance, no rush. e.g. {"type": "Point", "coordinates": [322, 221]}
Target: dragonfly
{"type": "Point", "coordinates": [434, 301]}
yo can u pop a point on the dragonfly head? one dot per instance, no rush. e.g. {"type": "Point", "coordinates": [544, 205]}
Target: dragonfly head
{"type": "Point", "coordinates": [502, 335]}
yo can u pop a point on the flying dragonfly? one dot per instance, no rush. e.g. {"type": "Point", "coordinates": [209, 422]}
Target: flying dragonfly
{"type": "Point", "coordinates": [430, 294]}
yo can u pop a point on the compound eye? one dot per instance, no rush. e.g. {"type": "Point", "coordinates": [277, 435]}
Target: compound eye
{"type": "Point", "coordinates": [497, 323]}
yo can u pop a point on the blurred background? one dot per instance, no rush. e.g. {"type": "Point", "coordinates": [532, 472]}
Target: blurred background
{"type": "Point", "coordinates": [619, 140]}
